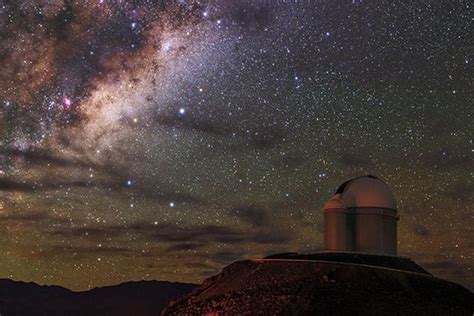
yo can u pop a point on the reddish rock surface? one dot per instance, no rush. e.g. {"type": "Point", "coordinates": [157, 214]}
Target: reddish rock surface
{"type": "Point", "coordinates": [298, 287]}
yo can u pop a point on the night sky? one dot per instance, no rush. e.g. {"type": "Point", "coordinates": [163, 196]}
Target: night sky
{"type": "Point", "coordinates": [152, 139]}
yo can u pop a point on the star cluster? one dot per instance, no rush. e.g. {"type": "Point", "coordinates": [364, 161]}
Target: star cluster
{"type": "Point", "coordinates": [154, 139]}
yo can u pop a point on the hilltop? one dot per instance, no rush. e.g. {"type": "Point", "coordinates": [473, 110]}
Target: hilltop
{"type": "Point", "coordinates": [281, 285]}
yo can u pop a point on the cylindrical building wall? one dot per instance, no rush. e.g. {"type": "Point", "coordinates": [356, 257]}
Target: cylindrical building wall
{"type": "Point", "coordinates": [375, 231]}
{"type": "Point", "coordinates": [390, 235]}
{"type": "Point", "coordinates": [335, 230]}
{"type": "Point", "coordinates": [366, 230]}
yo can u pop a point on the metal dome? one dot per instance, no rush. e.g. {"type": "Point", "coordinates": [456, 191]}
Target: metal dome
{"type": "Point", "coordinates": [335, 203]}
{"type": "Point", "coordinates": [366, 191]}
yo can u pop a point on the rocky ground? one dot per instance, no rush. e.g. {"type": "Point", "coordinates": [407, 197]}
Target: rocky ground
{"type": "Point", "coordinates": [280, 287]}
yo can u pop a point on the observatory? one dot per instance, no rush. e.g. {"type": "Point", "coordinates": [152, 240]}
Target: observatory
{"type": "Point", "coordinates": [361, 255]}
{"type": "Point", "coordinates": [362, 217]}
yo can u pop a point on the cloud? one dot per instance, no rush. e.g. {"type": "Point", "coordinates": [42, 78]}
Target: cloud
{"type": "Point", "coordinates": [270, 236]}
{"type": "Point", "coordinates": [422, 230]}
{"type": "Point", "coordinates": [90, 251]}
{"type": "Point", "coordinates": [151, 192]}
{"type": "Point", "coordinates": [444, 160]}
{"type": "Point", "coordinates": [226, 257]}
{"type": "Point", "coordinates": [24, 186]}
{"type": "Point", "coordinates": [43, 157]}
{"type": "Point", "coordinates": [220, 234]}
{"type": "Point", "coordinates": [184, 247]}
{"type": "Point", "coordinates": [206, 233]}
{"type": "Point", "coordinates": [34, 218]}
{"type": "Point", "coordinates": [354, 160]}
{"type": "Point", "coordinates": [172, 233]}
{"type": "Point", "coordinates": [460, 191]}
{"type": "Point", "coordinates": [252, 215]}
{"type": "Point", "coordinates": [97, 233]}
{"type": "Point", "coordinates": [110, 186]}
{"type": "Point", "coordinates": [261, 138]}
{"type": "Point", "coordinates": [455, 271]}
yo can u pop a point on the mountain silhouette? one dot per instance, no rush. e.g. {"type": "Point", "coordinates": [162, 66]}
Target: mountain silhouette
{"type": "Point", "coordinates": [131, 298]}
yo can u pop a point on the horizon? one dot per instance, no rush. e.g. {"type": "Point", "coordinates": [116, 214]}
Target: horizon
{"type": "Point", "coordinates": [164, 140]}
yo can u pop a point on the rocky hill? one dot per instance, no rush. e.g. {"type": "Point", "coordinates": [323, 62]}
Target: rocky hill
{"type": "Point", "coordinates": [141, 298]}
{"type": "Point", "coordinates": [282, 286]}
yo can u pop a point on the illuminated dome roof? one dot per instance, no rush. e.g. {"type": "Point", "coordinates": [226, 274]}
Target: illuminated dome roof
{"type": "Point", "coordinates": [366, 191]}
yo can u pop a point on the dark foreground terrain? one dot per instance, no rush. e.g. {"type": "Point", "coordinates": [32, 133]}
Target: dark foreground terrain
{"type": "Point", "coordinates": [279, 286]}
{"type": "Point", "coordinates": [141, 298]}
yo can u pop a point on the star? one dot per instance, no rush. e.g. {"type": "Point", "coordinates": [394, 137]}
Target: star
{"type": "Point", "coordinates": [157, 126]}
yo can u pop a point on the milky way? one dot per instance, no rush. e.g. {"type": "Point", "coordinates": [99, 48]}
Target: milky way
{"type": "Point", "coordinates": [165, 139]}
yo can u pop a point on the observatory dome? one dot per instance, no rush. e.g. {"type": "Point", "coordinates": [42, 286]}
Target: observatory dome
{"type": "Point", "coordinates": [366, 191]}
{"type": "Point", "coordinates": [335, 203]}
